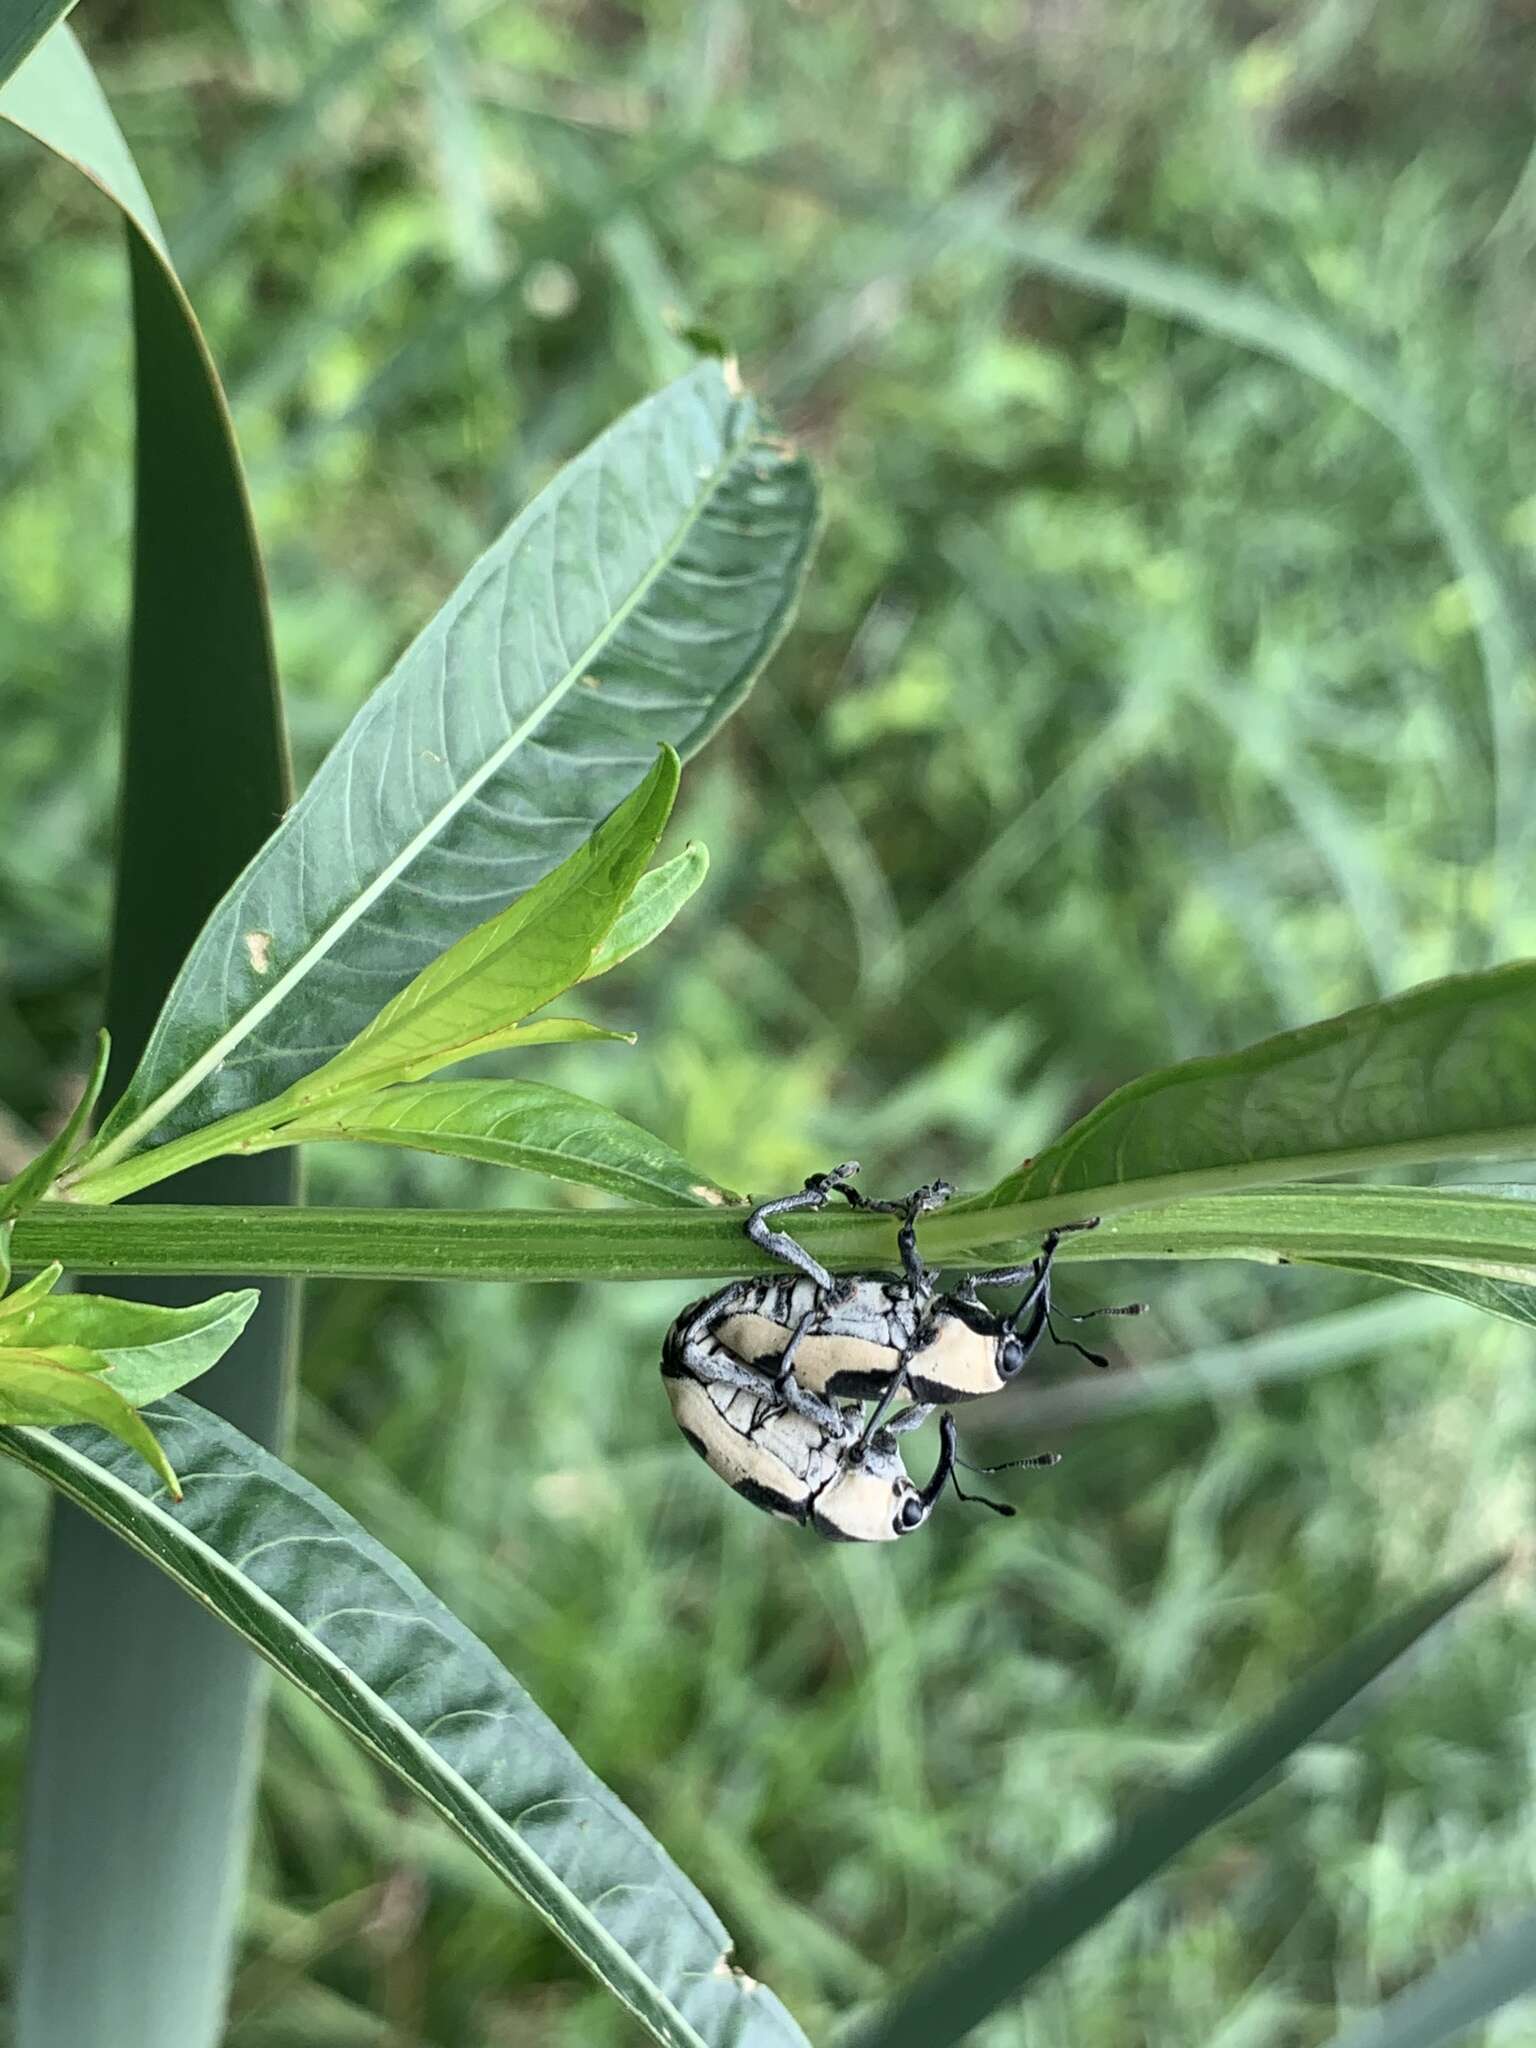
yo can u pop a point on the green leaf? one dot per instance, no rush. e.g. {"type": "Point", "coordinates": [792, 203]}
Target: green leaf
{"type": "Point", "coordinates": [523, 1124]}
{"type": "Point", "coordinates": [1513, 1300]}
{"type": "Point", "coordinates": [35, 1178]}
{"type": "Point", "coordinates": [658, 897]}
{"type": "Point", "coordinates": [959, 1991]}
{"type": "Point", "coordinates": [1464, 1989]}
{"type": "Point", "coordinates": [471, 999]}
{"type": "Point", "coordinates": [37, 1289]}
{"type": "Point", "coordinates": [51, 1387]}
{"type": "Point", "coordinates": [1447, 1071]}
{"type": "Point", "coordinates": [152, 1350]}
{"type": "Point", "coordinates": [354, 1629]}
{"type": "Point", "coordinates": [633, 602]}
{"type": "Point", "coordinates": [23, 25]}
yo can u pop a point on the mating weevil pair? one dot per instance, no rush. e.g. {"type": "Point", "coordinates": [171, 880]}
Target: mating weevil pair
{"type": "Point", "coordinates": [767, 1378]}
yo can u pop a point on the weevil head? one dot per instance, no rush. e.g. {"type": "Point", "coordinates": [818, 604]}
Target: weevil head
{"type": "Point", "coordinates": [871, 1499]}
{"type": "Point", "coordinates": [964, 1353]}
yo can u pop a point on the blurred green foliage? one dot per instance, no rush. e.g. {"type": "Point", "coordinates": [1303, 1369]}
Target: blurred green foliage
{"type": "Point", "coordinates": [1135, 710]}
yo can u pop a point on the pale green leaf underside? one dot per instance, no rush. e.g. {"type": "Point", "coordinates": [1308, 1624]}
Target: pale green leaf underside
{"type": "Point", "coordinates": [475, 994]}
{"type": "Point", "coordinates": [55, 95]}
{"type": "Point", "coordinates": [658, 897]}
{"type": "Point", "coordinates": [311, 1590]}
{"type": "Point", "coordinates": [152, 1351]}
{"type": "Point", "coordinates": [632, 603]}
{"type": "Point", "coordinates": [1447, 1071]}
{"type": "Point", "coordinates": [521, 1124]}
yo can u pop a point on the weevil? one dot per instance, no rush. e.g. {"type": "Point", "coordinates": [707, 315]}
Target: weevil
{"type": "Point", "coordinates": [767, 1377]}
{"type": "Point", "coordinates": [794, 1454]}
{"type": "Point", "coordinates": [877, 1338]}
{"type": "Point", "coordinates": [802, 1459]}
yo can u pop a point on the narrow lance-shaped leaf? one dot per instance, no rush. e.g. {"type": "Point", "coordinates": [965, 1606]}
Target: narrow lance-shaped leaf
{"type": "Point", "coordinates": [521, 1124]}
{"type": "Point", "coordinates": [658, 897]}
{"type": "Point", "coordinates": [62, 1385]}
{"type": "Point", "coordinates": [633, 602]}
{"type": "Point", "coordinates": [472, 998]}
{"type": "Point", "coordinates": [959, 1991]}
{"type": "Point", "coordinates": [39, 1174]}
{"type": "Point", "coordinates": [1447, 1071]}
{"type": "Point", "coordinates": [349, 1624]}
{"type": "Point", "coordinates": [1464, 1989]}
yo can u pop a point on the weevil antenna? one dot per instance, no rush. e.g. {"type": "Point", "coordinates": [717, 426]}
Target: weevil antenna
{"type": "Point", "coordinates": [979, 1500]}
{"type": "Point", "coordinates": [1071, 1344]}
{"type": "Point", "coordinates": [1040, 1462]}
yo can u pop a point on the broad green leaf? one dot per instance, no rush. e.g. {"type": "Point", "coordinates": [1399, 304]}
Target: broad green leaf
{"type": "Point", "coordinates": [1464, 1989]}
{"type": "Point", "coordinates": [633, 602]}
{"type": "Point", "coordinates": [346, 1622]}
{"type": "Point", "coordinates": [53, 1387]}
{"type": "Point", "coordinates": [104, 1900]}
{"type": "Point", "coordinates": [35, 1179]}
{"type": "Point", "coordinates": [1447, 1071]}
{"type": "Point", "coordinates": [472, 997]}
{"type": "Point", "coordinates": [523, 1124]}
{"type": "Point", "coordinates": [957, 1993]}
{"type": "Point", "coordinates": [658, 897]}
{"type": "Point", "coordinates": [152, 1350]}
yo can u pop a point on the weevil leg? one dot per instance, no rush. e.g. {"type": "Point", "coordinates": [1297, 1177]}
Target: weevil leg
{"type": "Point", "coordinates": [1037, 1268]}
{"type": "Point", "coordinates": [912, 1417]}
{"type": "Point", "coordinates": [711, 1311]}
{"type": "Point", "coordinates": [784, 1378]}
{"type": "Point", "coordinates": [714, 1362]}
{"type": "Point", "coordinates": [931, 1196]}
{"type": "Point", "coordinates": [896, 1384]}
{"type": "Point", "coordinates": [778, 1244]}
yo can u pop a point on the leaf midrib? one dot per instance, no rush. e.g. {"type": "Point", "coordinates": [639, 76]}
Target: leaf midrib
{"type": "Point", "coordinates": [655, 2011]}
{"type": "Point", "coordinates": [156, 1111]}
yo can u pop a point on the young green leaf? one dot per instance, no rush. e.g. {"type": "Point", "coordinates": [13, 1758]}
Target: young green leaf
{"type": "Point", "coordinates": [345, 1621]}
{"type": "Point", "coordinates": [523, 1124]}
{"type": "Point", "coordinates": [958, 1992]}
{"type": "Point", "coordinates": [473, 996]}
{"type": "Point", "coordinates": [47, 1388]}
{"type": "Point", "coordinates": [152, 1350]}
{"type": "Point", "coordinates": [1447, 1071]}
{"type": "Point", "coordinates": [37, 1289]}
{"type": "Point", "coordinates": [658, 897]}
{"type": "Point", "coordinates": [633, 602]}
{"type": "Point", "coordinates": [39, 1174]}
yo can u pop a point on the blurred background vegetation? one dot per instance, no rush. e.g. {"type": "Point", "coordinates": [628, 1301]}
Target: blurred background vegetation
{"type": "Point", "coordinates": [1136, 708]}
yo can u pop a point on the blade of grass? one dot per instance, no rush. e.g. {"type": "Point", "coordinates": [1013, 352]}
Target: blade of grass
{"type": "Point", "coordinates": [1469, 1985]}
{"type": "Point", "coordinates": [987, 1971]}
{"type": "Point", "coordinates": [106, 1883]}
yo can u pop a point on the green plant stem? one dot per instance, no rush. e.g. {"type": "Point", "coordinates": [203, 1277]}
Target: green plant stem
{"type": "Point", "coordinates": [694, 1244]}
